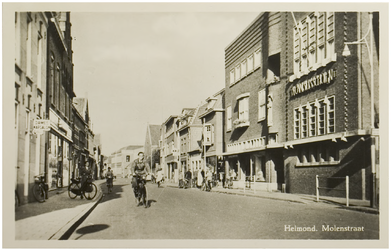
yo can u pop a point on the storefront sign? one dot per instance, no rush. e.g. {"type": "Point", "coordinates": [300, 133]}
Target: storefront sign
{"type": "Point", "coordinates": [41, 125]}
{"type": "Point", "coordinates": [319, 79]}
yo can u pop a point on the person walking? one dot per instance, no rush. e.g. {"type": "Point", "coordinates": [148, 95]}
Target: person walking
{"type": "Point", "coordinates": [209, 178]}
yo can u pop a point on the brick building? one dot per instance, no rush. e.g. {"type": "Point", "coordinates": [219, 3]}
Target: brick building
{"type": "Point", "coordinates": [254, 103]}
{"type": "Point", "coordinates": [330, 124]}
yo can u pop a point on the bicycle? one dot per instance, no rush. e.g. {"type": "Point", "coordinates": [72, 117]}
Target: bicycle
{"type": "Point", "coordinates": [88, 189]}
{"type": "Point", "coordinates": [40, 188]}
{"type": "Point", "coordinates": [109, 184]}
{"type": "Point", "coordinates": [141, 191]}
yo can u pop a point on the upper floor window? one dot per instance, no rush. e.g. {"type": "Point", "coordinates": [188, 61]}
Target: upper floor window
{"type": "Point", "coordinates": [257, 59]}
{"type": "Point", "coordinates": [237, 73]}
{"type": "Point", "coordinates": [262, 105]}
{"type": "Point", "coordinates": [313, 42]}
{"type": "Point", "coordinates": [316, 118]}
{"type": "Point", "coordinates": [250, 64]}
{"type": "Point", "coordinates": [243, 69]}
{"type": "Point", "coordinates": [232, 77]}
{"type": "Point", "coordinates": [243, 109]}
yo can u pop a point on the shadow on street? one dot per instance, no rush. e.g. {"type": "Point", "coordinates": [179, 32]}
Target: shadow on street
{"type": "Point", "coordinates": [114, 194]}
{"type": "Point", "coordinates": [91, 229]}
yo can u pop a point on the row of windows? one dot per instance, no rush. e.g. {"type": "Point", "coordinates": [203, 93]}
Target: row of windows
{"type": "Point", "coordinates": [316, 118]}
{"type": "Point", "coordinates": [247, 66]}
{"type": "Point", "coordinates": [313, 41]}
{"type": "Point", "coordinates": [58, 95]}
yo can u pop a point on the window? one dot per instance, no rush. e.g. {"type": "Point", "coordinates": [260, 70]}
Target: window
{"type": "Point", "coordinates": [243, 69]}
{"type": "Point", "coordinates": [330, 115]}
{"type": "Point", "coordinates": [128, 158]}
{"type": "Point", "coordinates": [39, 110]}
{"type": "Point", "coordinates": [330, 35]}
{"type": "Point", "coordinates": [321, 37]}
{"type": "Point", "coordinates": [262, 105]}
{"type": "Point", "coordinates": [312, 119]}
{"type": "Point", "coordinates": [313, 42]}
{"type": "Point", "coordinates": [57, 87]}
{"type": "Point", "coordinates": [304, 122]}
{"type": "Point", "coordinates": [237, 73]}
{"type": "Point", "coordinates": [243, 109]}
{"type": "Point", "coordinates": [39, 56]}
{"type": "Point", "coordinates": [296, 123]}
{"type": "Point", "coordinates": [257, 59]}
{"type": "Point", "coordinates": [28, 45]}
{"type": "Point", "coordinates": [17, 92]}
{"type": "Point", "coordinates": [316, 118]}
{"type": "Point", "coordinates": [321, 118]}
{"type": "Point", "coordinates": [232, 77]}
{"type": "Point", "coordinates": [27, 120]}
{"type": "Point", "coordinates": [250, 64]}
{"type": "Point", "coordinates": [229, 118]}
{"type": "Point", "coordinates": [52, 76]}
{"type": "Point", "coordinates": [29, 102]}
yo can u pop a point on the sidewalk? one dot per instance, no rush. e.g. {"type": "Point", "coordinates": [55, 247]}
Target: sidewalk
{"type": "Point", "coordinates": [354, 204]}
{"type": "Point", "coordinates": [51, 219]}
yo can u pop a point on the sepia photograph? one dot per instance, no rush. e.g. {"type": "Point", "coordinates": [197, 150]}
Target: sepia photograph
{"type": "Point", "coordinates": [193, 125]}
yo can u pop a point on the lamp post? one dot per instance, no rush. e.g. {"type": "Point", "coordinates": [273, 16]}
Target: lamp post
{"type": "Point", "coordinates": [346, 52]}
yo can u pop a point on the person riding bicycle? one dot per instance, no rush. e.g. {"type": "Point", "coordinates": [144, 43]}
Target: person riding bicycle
{"type": "Point", "coordinates": [109, 178]}
{"type": "Point", "coordinates": [139, 168]}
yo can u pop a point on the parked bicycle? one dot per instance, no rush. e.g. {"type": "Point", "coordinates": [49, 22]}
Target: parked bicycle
{"type": "Point", "coordinates": [88, 189]}
{"type": "Point", "coordinates": [40, 188]}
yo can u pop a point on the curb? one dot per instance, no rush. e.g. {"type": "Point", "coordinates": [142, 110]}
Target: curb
{"type": "Point", "coordinates": [67, 230]}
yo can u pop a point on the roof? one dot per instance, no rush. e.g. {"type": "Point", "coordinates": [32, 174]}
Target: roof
{"type": "Point", "coordinates": [154, 133]}
{"type": "Point", "coordinates": [130, 147]}
{"type": "Point", "coordinates": [80, 105]}
{"type": "Point", "coordinates": [218, 105]}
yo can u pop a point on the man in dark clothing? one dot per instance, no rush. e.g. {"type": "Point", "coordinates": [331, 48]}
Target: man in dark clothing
{"type": "Point", "coordinates": [141, 168]}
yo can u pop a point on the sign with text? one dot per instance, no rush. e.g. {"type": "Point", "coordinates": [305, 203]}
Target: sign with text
{"type": "Point", "coordinates": [318, 79]}
{"type": "Point", "coordinates": [41, 125]}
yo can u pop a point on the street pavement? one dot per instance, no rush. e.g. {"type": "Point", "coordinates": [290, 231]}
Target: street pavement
{"type": "Point", "coordinates": [51, 219]}
{"type": "Point", "coordinates": [175, 213]}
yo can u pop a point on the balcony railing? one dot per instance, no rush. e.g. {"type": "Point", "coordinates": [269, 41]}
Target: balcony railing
{"type": "Point", "coordinates": [249, 144]}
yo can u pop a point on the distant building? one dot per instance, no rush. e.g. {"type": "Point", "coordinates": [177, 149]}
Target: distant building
{"type": "Point", "coordinates": [151, 145]}
{"type": "Point", "coordinates": [212, 116]}
{"type": "Point", "coordinates": [122, 159]}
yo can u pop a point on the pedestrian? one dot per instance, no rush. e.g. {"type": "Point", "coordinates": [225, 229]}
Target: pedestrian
{"type": "Point", "coordinates": [159, 176]}
{"type": "Point", "coordinates": [209, 177]}
{"type": "Point", "coordinates": [200, 179]}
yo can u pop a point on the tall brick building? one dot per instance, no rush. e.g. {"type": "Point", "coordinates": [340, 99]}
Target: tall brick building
{"type": "Point", "coordinates": [328, 102]}
{"type": "Point", "coordinates": [254, 103]}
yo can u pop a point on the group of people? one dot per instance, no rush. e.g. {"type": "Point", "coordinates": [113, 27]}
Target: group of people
{"type": "Point", "coordinates": [141, 168]}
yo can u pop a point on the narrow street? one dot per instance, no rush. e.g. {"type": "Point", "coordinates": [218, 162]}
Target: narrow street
{"type": "Point", "coordinates": [191, 214]}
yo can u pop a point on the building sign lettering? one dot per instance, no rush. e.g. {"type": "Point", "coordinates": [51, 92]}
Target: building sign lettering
{"type": "Point", "coordinates": [319, 79]}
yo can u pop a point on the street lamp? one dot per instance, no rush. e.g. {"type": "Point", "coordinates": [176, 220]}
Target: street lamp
{"type": "Point", "coordinates": [346, 52]}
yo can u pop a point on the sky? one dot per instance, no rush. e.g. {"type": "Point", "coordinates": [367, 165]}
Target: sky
{"type": "Point", "coordinates": [138, 68]}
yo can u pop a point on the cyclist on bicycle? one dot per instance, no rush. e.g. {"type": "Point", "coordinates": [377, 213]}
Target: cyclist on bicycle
{"type": "Point", "coordinates": [139, 168]}
{"type": "Point", "coordinates": [109, 179]}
